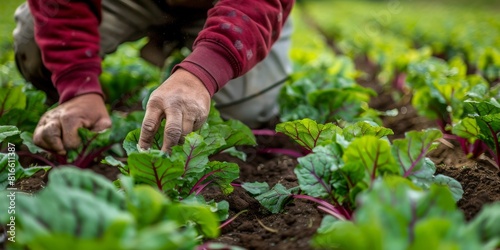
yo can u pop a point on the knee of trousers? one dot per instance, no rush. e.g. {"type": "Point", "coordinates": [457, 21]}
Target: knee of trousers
{"type": "Point", "coordinates": [28, 56]}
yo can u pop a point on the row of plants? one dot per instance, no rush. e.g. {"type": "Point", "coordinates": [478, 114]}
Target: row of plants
{"type": "Point", "coordinates": [392, 34]}
{"type": "Point", "coordinates": [449, 66]}
{"type": "Point", "coordinates": [377, 194]}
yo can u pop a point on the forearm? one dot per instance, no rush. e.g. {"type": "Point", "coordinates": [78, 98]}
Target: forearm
{"type": "Point", "coordinates": [237, 35]}
{"type": "Point", "coordinates": [68, 37]}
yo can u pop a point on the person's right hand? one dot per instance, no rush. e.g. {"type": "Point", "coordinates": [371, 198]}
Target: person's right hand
{"type": "Point", "coordinates": [57, 130]}
{"type": "Point", "coordinates": [184, 101]}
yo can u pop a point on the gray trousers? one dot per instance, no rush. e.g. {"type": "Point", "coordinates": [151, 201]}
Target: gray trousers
{"type": "Point", "coordinates": [124, 21]}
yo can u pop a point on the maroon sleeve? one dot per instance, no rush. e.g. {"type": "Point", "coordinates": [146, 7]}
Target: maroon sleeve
{"type": "Point", "coordinates": [237, 35]}
{"type": "Point", "coordinates": [67, 33]}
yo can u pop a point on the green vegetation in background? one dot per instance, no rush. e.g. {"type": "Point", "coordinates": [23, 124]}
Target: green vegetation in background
{"type": "Point", "coordinates": [394, 34]}
{"type": "Point", "coordinates": [484, 4]}
{"type": "Point", "coordinates": [7, 23]}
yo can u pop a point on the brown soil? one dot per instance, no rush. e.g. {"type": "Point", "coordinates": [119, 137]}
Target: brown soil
{"type": "Point", "coordinates": [258, 228]}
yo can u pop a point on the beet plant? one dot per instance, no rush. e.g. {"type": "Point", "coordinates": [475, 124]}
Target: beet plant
{"type": "Point", "coordinates": [187, 169]}
{"type": "Point", "coordinates": [346, 161]}
{"type": "Point", "coordinates": [125, 78]}
{"type": "Point", "coordinates": [10, 167]}
{"type": "Point", "coordinates": [20, 105]}
{"type": "Point", "coordinates": [324, 87]}
{"type": "Point", "coordinates": [440, 93]}
{"type": "Point", "coordinates": [396, 214]}
{"type": "Point", "coordinates": [481, 126]}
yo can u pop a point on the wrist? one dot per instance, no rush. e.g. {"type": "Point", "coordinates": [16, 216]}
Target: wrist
{"type": "Point", "coordinates": [212, 64]}
{"type": "Point", "coordinates": [78, 81]}
{"type": "Point", "coordinates": [191, 81]}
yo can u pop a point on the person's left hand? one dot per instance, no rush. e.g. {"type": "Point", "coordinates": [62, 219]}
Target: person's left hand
{"type": "Point", "coordinates": [57, 130]}
{"type": "Point", "coordinates": [184, 101]}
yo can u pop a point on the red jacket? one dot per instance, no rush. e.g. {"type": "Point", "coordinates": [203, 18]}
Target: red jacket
{"type": "Point", "coordinates": [67, 34]}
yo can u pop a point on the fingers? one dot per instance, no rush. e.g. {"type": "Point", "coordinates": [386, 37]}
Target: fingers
{"type": "Point", "coordinates": [198, 123]}
{"type": "Point", "coordinates": [102, 125]}
{"type": "Point", "coordinates": [187, 127]}
{"type": "Point", "coordinates": [150, 124]}
{"type": "Point", "coordinates": [173, 128]}
{"type": "Point", "coordinates": [69, 126]}
{"type": "Point", "coordinates": [48, 136]}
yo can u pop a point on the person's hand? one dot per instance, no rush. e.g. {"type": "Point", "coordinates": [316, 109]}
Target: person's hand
{"type": "Point", "coordinates": [57, 130]}
{"type": "Point", "coordinates": [184, 101]}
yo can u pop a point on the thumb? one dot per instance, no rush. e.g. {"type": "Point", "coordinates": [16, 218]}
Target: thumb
{"type": "Point", "coordinates": [102, 124]}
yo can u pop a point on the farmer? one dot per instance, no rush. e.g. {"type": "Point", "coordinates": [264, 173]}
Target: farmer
{"type": "Point", "coordinates": [240, 48]}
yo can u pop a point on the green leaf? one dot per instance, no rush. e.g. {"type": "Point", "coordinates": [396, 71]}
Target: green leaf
{"type": "Point", "coordinates": [27, 121]}
{"type": "Point", "coordinates": [122, 125]}
{"type": "Point", "coordinates": [232, 151]}
{"type": "Point", "coordinates": [155, 169]}
{"type": "Point", "coordinates": [240, 135]}
{"type": "Point", "coordinates": [373, 155]}
{"type": "Point", "coordinates": [131, 142]}
{"type": "Point", "coordinates": [453, 185]}
{"type": "Point", "coordinates": [328, 223]}
{"type": "Point", "coordinates": [110, 160]}
{"type": "Point", "coordinates": [339, 104]}
{"type": "Point", "coordinates": [483, 108]}
{"type": "Point", "coordinates": [429, 234]}
{"type": "Point", "coordinates": [275, 199]}
{"type": "Point", "coordinates": [146, 204]}
{"type": "Point", "coordinates": [308, 133]}
{"type": "Point", "coordinates": [363, 128]}
{"type": "Point", "coordinates": [195, 152]}
{"type": "Point", "coordinates": [214, 135]}
{"type": "Point", "coordinates": [214, 115]}
{"type": "Point", "coordinates": [10, 162]}
{"type": "Point", "coordinates": [12, 98]}
{"type": "Point", "coordinates": [27, 138]}
{"type": "Point", "coordinates": [180, 237]}
{"type": "Point", "coordinates": [200, 214]}
{"type": "Point", "coordinates": [466, 128]}
{"type": "Point", "coordinates": [69, 177]}
{"type": "Point", "coordinates": [489, 126]}
{"type": "Point", "coordinates": [410, 152]}
{"type": "Point", "coordinates": [80, 209]}
{"type": "Point", "coordinates": [314, 171]}
{"type": "Point", "coordinates": [297, 112]}
{"type": "Point", "coordinates": [7, 131]}
{"type": "Point", "coordinates": [424, 177]}
{"type": "Point", "coordinates": [222, 174]}
{"type": "Point", "coordinates": [394, 214]}
{"type": "Point", "coordinates": [255, 188]}
{"type": "Point", "coordinates": [486, 224]}
{"type": "Point", "coordinates": [221, 209]}
{"type": "Point", "coordinates": [221, 246]}
{"type": "Point", "coordinates": [342, 235]}
{"type": "Point", "coordinates": [487, 118]}
{"type": "Point", "coordinates": [9, 167]}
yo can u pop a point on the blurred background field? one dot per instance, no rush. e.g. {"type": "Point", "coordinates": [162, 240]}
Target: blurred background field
{"type": "Point", "coordinates": [7, 9]}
